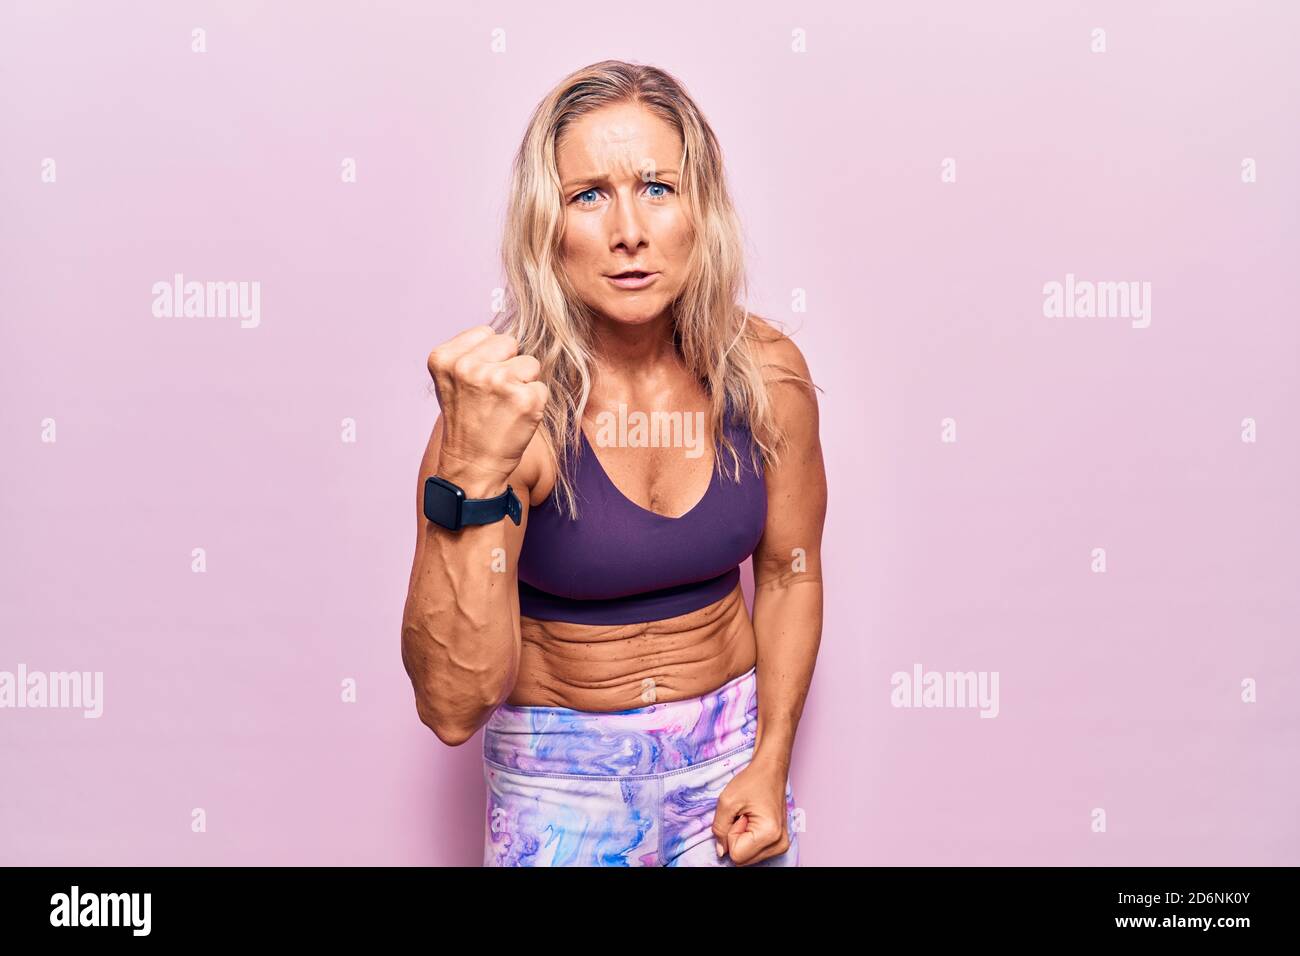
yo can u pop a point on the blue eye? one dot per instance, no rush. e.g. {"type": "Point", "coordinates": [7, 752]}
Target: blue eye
{"type": "Point", "coordinates": [594, 193]}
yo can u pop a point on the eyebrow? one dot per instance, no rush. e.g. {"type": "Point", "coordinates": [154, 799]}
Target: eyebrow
{"type": "Point", "coordinates": [604, 177]}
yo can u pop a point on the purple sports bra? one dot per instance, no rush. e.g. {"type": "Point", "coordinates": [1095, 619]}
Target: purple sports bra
{"type": "Point", "coordinates": [619, 563]}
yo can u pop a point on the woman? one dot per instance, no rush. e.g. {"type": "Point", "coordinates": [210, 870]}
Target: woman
{"type": "Point", "coordinates": [633, 714]}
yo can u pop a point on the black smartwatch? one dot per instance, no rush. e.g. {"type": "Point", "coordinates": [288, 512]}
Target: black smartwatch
{"type": "Point", "coordinates": [445, 504]}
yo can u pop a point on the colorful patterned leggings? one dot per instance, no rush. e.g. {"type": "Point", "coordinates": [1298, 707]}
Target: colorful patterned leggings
{"type": "Point", "coordinates": [626, 788]}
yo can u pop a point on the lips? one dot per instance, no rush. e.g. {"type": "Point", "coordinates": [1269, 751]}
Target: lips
{"type": "Point", "coordinates": [633, 279]}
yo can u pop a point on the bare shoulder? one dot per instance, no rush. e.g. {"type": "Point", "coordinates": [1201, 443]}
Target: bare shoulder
{"type": "Point", "coordinates": [777, 350]}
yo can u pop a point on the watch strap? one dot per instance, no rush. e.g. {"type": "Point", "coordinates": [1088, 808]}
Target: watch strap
{"type": "Point", "coordinates": [487, 510]}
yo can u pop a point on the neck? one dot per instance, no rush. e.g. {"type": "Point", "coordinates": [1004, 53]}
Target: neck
{"type": "Point", "coordinates": [633, 351]}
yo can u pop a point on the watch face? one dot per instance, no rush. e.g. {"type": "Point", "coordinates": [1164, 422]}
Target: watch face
{"type": "Point", "coordinates": [442, 502]}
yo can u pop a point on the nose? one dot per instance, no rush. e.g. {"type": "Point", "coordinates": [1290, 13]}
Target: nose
{"type": "Point", "coordinates": [627, 227]}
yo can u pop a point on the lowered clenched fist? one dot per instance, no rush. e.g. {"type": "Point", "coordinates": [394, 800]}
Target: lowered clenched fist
{"type": "Point", "coordinates": [492, 402]}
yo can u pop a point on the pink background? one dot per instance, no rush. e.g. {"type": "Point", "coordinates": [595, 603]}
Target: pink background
{"type": "Point", "coordinates": [1119, 691]}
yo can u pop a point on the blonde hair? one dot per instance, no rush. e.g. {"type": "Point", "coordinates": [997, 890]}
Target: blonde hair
{"type": "Point", "coordinates": [713, 334]}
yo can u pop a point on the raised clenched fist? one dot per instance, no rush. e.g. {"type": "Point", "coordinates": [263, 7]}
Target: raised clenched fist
{"type": "Point", "coordinates": [492, 402]}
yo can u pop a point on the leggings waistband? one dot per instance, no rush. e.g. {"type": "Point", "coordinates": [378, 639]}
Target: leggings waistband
{"type": "Point", "coordinates": [658, 738]}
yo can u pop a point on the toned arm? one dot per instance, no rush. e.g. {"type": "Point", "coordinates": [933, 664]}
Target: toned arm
{"type": "Point", "coordinates": [787, 564]}
{"type": "Point", "coordinates": [460, 625]}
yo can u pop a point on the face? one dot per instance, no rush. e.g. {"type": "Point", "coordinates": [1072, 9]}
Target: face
{"type": "Point", "coordinates": [619, 175]}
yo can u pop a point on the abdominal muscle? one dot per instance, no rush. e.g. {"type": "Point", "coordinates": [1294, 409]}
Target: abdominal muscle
{"type": "Point", "coordinates": [608, 667]}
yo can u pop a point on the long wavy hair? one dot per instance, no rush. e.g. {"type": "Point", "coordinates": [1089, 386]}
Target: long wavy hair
{"type": "Point", "coordinates": [714, 335]}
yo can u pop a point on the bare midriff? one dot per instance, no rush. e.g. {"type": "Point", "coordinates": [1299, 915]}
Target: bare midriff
{"type": "Point", "coordinates": [620, 666]}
